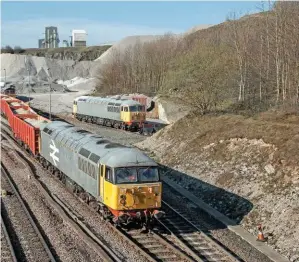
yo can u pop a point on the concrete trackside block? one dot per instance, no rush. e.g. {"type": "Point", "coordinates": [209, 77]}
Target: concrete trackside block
{"type": "Point", "coordinates": [231, 225]}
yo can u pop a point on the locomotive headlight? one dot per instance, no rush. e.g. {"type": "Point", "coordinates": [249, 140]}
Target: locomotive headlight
{"type": "Point", "coordinates": [150, 190]}
{"type": "Point", "coordinates": [156, 190]}
{"type": "Point", "coordinates": [122, 200]}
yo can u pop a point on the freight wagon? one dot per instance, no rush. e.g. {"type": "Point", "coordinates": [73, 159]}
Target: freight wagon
{"type": "Point", "coordinates": [24, 122]}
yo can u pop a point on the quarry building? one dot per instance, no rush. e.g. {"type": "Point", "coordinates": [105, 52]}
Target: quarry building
{"type": "Point", "coordinates": [51, 40]}
{"type": "Point", "coordinates": [51, 37]}
{"type": "Point", "coordinates": [79, 38]}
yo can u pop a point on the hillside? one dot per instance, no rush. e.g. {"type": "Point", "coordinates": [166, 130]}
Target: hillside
{"type": "Point", "coordinates": [66, 53]}
{"type": "Point", "coordinates": [256, 158]}
{"type": "Point", "coordinates": [249, 64]}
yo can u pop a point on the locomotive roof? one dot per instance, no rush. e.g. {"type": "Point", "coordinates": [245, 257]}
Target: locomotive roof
{"type": "Point", "coordinates": [106, 100]}
{"type": "Point", "coordinates": [84, 142]}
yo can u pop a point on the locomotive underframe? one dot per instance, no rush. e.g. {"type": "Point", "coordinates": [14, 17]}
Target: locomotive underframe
{"type": "Point", "coordinates": [134, 126]}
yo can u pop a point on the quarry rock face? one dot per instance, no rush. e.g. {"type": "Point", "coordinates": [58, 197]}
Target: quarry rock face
{"type": "Point", "coordinates": [17, 65]}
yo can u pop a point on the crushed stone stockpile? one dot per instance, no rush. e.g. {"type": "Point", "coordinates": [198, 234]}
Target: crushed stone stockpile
{"type": "Point", "coordinates": [16, 68]}
{"type": "Point", "coordinates": [246, 168]}
{"type": "Point", "coordinates": [128, 41]}
{"type": "Point", "coordinates": [123, 44]}
{"type": "Point", "coordinates": [62, 103]}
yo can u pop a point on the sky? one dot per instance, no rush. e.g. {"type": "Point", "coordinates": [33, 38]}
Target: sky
{"type": "Point", "coordinates": [23, 23]}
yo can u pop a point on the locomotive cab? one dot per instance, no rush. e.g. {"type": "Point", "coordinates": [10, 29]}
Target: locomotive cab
{"type": "Point", "coordinates": [133, 194]}
{"type": "Point", "coordinates": [133, 114]}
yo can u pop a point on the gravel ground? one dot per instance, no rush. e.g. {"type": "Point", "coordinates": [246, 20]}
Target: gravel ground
{"type": "Point", "coordinates": [93, 220]}
{"type": "Point", "coordinates": [5, 248]}
{"type": "Point", "coordinates": [66, 245]}
{"type": "Point", "coordinates": [26, 242]}
{"type": "Point", "coordinates": [214, 227]}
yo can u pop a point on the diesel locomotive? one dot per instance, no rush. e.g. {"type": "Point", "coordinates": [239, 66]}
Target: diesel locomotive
{"type": "Point", "coordinates": [119, 113]}
{"type": "Point", "coordinates": [120, 182]}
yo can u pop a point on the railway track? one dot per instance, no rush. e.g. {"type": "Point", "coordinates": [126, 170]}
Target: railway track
{"type": "Point", "coordinates": [74, 221]}
{"type": "Point", "coordinates": [194, 240]}
{"type": "Point", "coordinates": [193, 244]}
{"type": "Point", "coordinates": [156, 248]}
{"type": "Point", "coordinates": [149, 129]}
{"type": "Point", "coordinates": [151, 245]}
{"type": "Point", "coordinates": [7, 250]}
{"type": "Point", "coordinates": [25, 238]}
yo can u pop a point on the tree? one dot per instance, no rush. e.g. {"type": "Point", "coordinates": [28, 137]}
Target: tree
{"type": "Point", "coordinates": [9, 49]}
{"type": "Point", "coordinates": [202, 77]}
{"type": "Point", "coordinates": [18, 50]}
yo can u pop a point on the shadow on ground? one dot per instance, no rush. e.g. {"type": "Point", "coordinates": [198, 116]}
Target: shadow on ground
{"type": "Point", "coordinates": [231, 205]}
{"type": "Point", "coordinates": [24, 98]}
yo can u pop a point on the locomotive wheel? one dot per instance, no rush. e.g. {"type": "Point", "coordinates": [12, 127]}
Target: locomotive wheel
{"type": "Point", "coordinates": [56, 173]}
{"type": "Point", "coordinates": [51, 169]}
{"type": "Point", "coordinates": [44, 165]}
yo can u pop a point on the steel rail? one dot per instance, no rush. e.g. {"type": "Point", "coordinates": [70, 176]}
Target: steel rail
{"type": "Point", "coordinates": [197, 235]}
{"type": "Point", "coordinates": [9, 244]}
{"type": "Point", "coordinates": [33, 224]}
{"type": "Point", "coordinates": [136, 241]}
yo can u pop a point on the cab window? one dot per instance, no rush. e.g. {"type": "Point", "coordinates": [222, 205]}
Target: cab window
{"type": "Point", "coordinates": [133, 108]}
{"type": "Point", "coordinates": [148, 174]}
{"type": "Point", "coordinates": [126, 109]}
{"type": "Point", "coordinates": [108, 174]}
{"type": "Point", "coordinates": [125, 175]}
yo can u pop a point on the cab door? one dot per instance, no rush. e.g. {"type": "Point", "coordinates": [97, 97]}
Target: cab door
{"type": "Point", "coordinates": [122, 113]}
{"type": "Point", "coordinates": [75, 107]}
{"type": "Point", "coordinates": [101, 182]}
{"type": "Point", "coordinates": [125, 114]}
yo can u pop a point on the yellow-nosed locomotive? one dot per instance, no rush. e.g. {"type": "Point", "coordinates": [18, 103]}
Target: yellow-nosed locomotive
{"type": "Point", "coordinates": [120, 113]}
{"type": "Point", "coordinates": [121, 181]}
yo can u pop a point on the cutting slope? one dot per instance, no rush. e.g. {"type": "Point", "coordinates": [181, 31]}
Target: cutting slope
{"type": "Point", "coordinates": [256, 159]}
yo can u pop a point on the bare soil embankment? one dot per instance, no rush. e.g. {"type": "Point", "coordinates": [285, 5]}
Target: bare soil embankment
{"type": "Point", "coordinates": [255, 158]}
